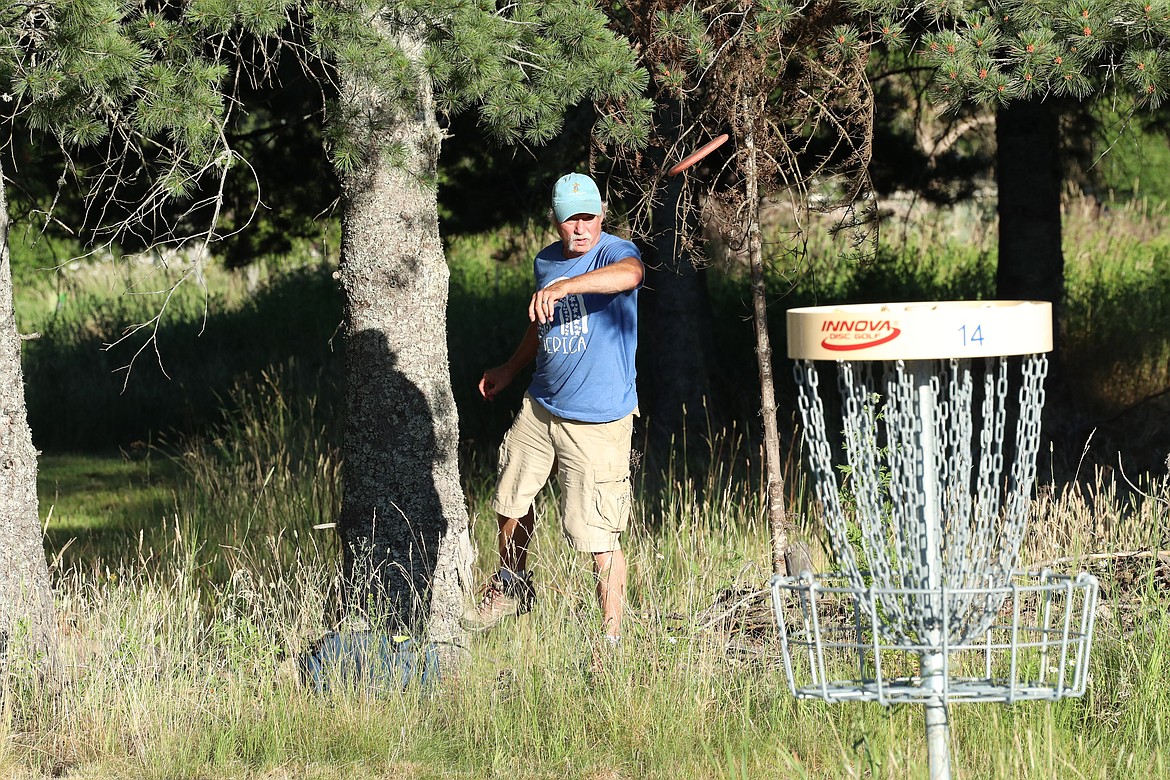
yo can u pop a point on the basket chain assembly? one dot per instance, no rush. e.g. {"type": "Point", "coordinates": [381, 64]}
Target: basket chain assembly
{"type": "Point", "coordinates": [925, 509]}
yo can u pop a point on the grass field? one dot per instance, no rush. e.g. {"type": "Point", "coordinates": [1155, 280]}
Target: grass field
{"type": "Point", "coordinates": [189, 573]}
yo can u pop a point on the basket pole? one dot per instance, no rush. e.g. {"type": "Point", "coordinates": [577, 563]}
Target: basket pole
{"type": "Point", "coordinates": [932, 662]}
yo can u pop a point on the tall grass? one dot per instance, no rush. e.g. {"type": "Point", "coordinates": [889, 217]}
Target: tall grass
{"type": "Point", "coordinates": [1118, 311]}
{"type": "Point", "coordinates": [177, 652]}
{"type": "Point", "coordinates": [92, 389]}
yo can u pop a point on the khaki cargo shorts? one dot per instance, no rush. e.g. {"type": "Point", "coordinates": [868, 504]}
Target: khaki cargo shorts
{"type": "Point", "coordinates": [592, 462]}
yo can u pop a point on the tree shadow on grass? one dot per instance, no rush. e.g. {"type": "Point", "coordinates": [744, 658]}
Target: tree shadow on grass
{"type": "Point", "coordinates": [92, 505]}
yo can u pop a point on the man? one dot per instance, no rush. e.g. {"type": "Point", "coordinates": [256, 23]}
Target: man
{"type": "Point", "coordinates": [577, 415]}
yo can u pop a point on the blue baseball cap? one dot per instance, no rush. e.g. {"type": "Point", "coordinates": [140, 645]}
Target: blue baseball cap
{"type": "Point", "coordinates": [575, 193]}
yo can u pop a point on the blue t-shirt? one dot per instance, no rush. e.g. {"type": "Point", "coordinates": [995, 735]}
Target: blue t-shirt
{"type": "Point", "coordinates": [585, 363]}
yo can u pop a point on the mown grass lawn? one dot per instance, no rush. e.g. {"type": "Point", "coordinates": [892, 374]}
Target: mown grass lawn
{"type": "Point", "coordinates": [94, 505]}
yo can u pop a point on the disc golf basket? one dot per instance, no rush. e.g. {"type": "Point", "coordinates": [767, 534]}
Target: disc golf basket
{"type": "Point", "coordinates": [925, 501]}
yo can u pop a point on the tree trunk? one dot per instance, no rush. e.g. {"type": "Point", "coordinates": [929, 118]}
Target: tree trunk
{"type": "Point", "coordinates": [403, 523]}
{"type": "Point", "coordinates": [777, 514]}
{"type": "Point", "coordinates": [1029, 177]}
{"type": "Point", "coordinates": [677, 325]}
{"type": "Point", "coordinates": [28, 629]}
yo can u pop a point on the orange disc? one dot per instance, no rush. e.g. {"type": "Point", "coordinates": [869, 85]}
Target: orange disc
{"type": "Point", "coordinates": [698, 154]}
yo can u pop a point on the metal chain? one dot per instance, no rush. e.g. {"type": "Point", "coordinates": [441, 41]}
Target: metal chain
{"type": "Point", "coordinates": [812, 415]}
{"type": "Point", "coordinates": [908, 455]}
{"type": "Point", "coordinates": [1031, 399]}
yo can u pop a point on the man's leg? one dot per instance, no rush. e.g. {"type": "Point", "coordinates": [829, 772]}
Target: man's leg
{"type": "Point", "coordinates": [526, 460]}
{"type": "Point", "coordinates": [594, 473]}
{"type": "Point", "coordinates": [509, 592]}
{"type": "Point", "coordinates": [515, 534]}
{"type": "Point", "coordinates": [610, 571]}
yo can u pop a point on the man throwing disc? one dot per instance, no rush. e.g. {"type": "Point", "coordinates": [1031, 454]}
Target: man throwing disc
{"type": "Point", "coordinates": [577, 416]}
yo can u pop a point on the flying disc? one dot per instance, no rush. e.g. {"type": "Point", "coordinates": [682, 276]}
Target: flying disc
{"type": "Point", "coordinates": [698, 154]}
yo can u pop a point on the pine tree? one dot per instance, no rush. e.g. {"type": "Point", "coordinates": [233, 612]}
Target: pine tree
{"type": "Point", "coordinates": [89, 73]}
{"type": "Point", "coordinates": [1022, 58]}
{"type": "Point", "coordinates": [790, 85]}
{"type": "Point", "coordinates": [1023, 49]}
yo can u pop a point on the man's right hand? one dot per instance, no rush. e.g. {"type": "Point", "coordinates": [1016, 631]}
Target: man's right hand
{"type": "Point", "coordinates": [494, 380]}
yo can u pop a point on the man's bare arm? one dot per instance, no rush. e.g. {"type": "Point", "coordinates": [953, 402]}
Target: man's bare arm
{"type": "Point", "coordinates": [625, 274]}
{"type": "Point", "coordinates": [496, 379]}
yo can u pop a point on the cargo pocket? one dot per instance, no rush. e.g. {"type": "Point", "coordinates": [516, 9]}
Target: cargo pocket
{"type": "Point", "coordinates": [502, 456]}
{"type": "Point", "coordinates": [612, 498]}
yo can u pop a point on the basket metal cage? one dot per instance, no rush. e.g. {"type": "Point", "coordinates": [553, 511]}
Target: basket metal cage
{"type": "Point", "coordinates": [836, 645]}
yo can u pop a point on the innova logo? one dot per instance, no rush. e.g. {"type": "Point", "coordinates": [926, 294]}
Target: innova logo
{"type": "Point", "coordinates": [845, 335]}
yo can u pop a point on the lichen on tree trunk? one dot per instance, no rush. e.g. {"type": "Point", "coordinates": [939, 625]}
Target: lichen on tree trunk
{"type": "Point", "coordinates": [403, 523]}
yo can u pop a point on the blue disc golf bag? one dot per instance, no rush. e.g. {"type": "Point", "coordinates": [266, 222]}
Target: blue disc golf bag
{"type": "Point", "coordinates": [382, 662]}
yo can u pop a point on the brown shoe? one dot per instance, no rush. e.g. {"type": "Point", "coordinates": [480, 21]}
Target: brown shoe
{"type": "Point", "coordinates": [500, 600]}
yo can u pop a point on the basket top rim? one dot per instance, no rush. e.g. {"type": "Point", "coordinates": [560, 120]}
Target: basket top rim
{"type": "Point", "coordinates": [920, 330]}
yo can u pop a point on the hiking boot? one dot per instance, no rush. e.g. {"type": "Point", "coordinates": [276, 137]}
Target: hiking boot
{"type": "Point", "coordinates": [501, 599]}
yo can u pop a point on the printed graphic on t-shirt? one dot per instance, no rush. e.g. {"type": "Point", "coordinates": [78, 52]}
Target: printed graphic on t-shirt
{"type": "Point", "coordinates": [569, 335]}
